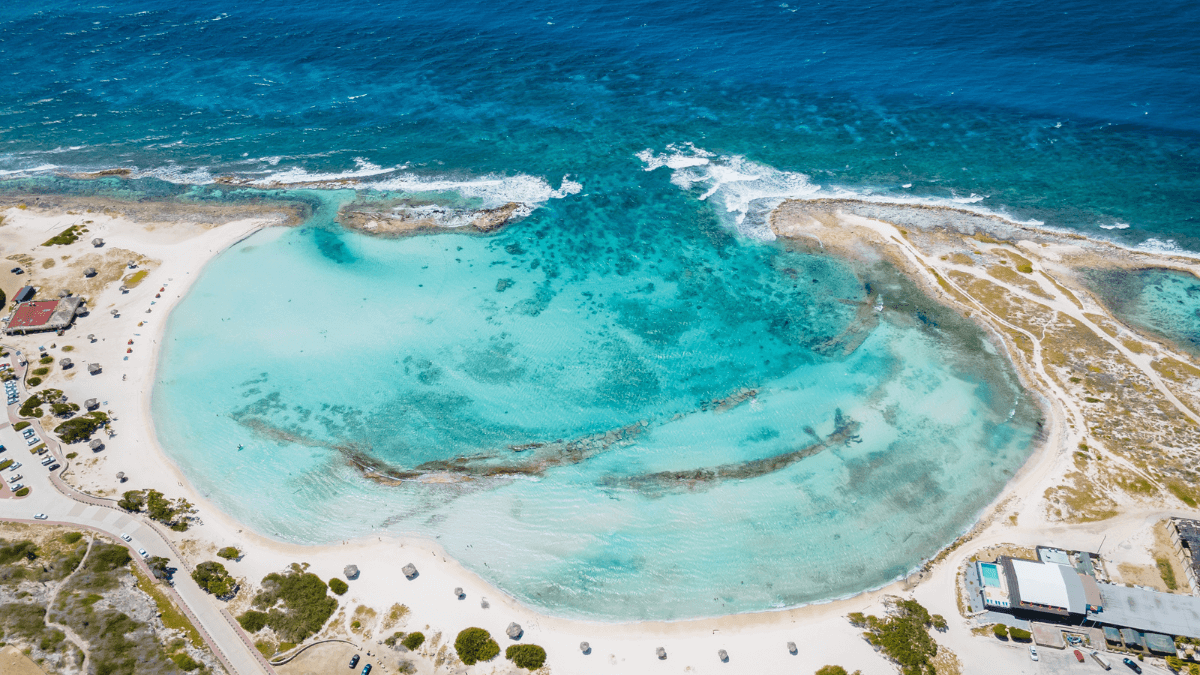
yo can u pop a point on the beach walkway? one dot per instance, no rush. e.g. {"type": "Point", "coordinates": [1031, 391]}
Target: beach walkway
{"type": "Point", "coordinates": [63, 505]}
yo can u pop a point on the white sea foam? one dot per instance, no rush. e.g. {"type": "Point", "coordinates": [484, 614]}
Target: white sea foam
{"type": "Point", "coordinates": [1115, 226]}
{"type": "Point", "coordinates": [363, 169]}
{"type": "Point", "coordinates": [492, 191]}
{"type": "Point", "coordinates": [182, 175]}
{"type": "Point", "coordinates": [36, 169]}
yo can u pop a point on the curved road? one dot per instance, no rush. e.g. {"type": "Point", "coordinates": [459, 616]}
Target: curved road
{"type": "Point", "coordinates": [63, 505]}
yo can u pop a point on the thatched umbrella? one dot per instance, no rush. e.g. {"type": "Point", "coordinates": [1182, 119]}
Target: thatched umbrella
{"type": "Point", "coordinates": [121, 476]}
{"type": "Point", "coordinates": [585, 648]}
{"type": "Point", "coordinates": [114, 312]}
{"type": "Point", "coordinates": [91, 337]}
{"type": "Point", "coordinates": [458, 593]}
{"type": "Point", "coordinates": [662, 654]}
{"type": "Point", "coordinates": [410, 571]}
{"type": "Point", "coordinates": [96, 444]}
{"type": "Point", "coordinates": [723, 655]}
{"type": "Point", "coordinates": [351, 572]}
{"type": "Point", "coordinates": [124, 289]}
{"type": "Point", "coordinates": [97, 242]}
{"type": "Point", "coordinates": [64, 293]}
{"type": "Point", "coordinates": [65, 363]}
{"type": "Point", "coordinates": [792, 648]}
{"type": "Point", "coordinates": [91, 404]}
{"type": "Point", "coordinates": [514, 631]}
{"type": "Point", "coordinates": [89, 272]}
{"type": "Point", "coordinates": [79, 311]}
{"type": "Point", "coordinates": [93, 368]}
{"type": "Point", "coordinates": [484, 603]}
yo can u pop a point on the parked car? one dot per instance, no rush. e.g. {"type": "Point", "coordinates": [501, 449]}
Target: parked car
{"type": "Point", "coordinates": [366, 669]}
{"type": "Point", "coordinates": [40, 516]}
{"type": "Point", "coordinates": [142, 552]}
{"type": "Point", "coordinates": [55, 467]}
{"type": "Point", "coordinates": [126, 537]}
{"type": "Point", "coordinates": [18, 486]}
{"type": "Point", "coordinates": [15, 466]}
{"type": "Point", "coordinates": [15, 478]}
{"type": "Point", "coordinates": [1033, 653]}
{"type": "Point", "coordinates": [1132, 664]}
{"type": "Point", "coordinates": [354, 660]}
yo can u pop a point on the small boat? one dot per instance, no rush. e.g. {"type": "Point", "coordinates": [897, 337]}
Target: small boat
{"type": "Point", "coordinates": [240, 446]}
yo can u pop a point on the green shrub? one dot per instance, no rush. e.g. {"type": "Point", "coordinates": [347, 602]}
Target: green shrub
{"type": "Point", "coordinates": [5, 464]}
{"type": "Point", "coordinates": [285, 646]}
{"type": "Point", "coordinates": [1001, 631]}
{"type": "Point", "coordinates": [529, 657]}
{"type": "Point", "coordinates": [1025, 269]}
{"type": "Point", "coordinates": [159, 567]}
{"type": "Point", "coordinates": [81, 428]}
{"type": "Point", "coordinates": [1167, 573]}
{"type": "Point", "coordinates": [1019, 634]}
{"type": "Point", "coordinates": [20, 425]}
{"type": "Point", "coordinates": [229, 553]}
{"type": "Point", "coordinates": [1174, 663]}
{"type": "Point", "coordinates": [41, 371]}
{"type": "Point", "coordinates": [903, 637]}
{"type": "Point", "coordinates": [214, 578]}
{"type": "Point", "coordinates": [72, 455]}
{"type": "Point", "coordinates": [252, 621]}
{"type": "Point", "coordinates": [33, 382]}
{"type": "Point", "coordinates": [832, 670]}
{"type": "Point", "coordinates": [22, 492]}
{"type": "Point", "coordinates": [108, 557]}
{"type": "Point", "coordinates": [132, 500]}
{"type": "Point", "coordinates": [413, 640]}
{"type": "Point", "coordinates": [46, 360]}
{"type": "Point", "coordinates": [297, 603]}
{"type": "Point", "coordinates": [474, 645]}
{"type": "Point", "coordinates": [67, 236]}
{"type": "Point", "coordinates": [394, 638]}
{"type": "Point", "coordinates": [17, 550]}
{"type": "Point", "coordinates": [68, 348]}
{"type": "Point", "coordinates": [72, 537]}
{"type": "Point", "coordinates": [338, 586]}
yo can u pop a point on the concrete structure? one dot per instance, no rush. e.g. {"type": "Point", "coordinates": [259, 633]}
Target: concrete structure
{"type": "Point", "coordinates": [43, 315]}
{"type": "Point", "coordinates": [1049, 588]}
{"type": "Point", "coordinates": [1143, 610]}
{"type": "Point", "coordinates": [1185, 535]}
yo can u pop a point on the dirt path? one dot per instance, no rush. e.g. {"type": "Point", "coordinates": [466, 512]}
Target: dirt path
{"type": "Point", "coordinates": [71, 635]}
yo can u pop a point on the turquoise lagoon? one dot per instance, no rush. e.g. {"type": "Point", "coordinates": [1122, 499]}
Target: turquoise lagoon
{"type": "Point", "coordinates": [879, 424]}
{"type": "Point", "coordinates": [1160, 301]}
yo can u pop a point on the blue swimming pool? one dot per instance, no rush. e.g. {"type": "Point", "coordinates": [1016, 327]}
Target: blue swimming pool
{"type": "Point", "coordinates": [989, 574]}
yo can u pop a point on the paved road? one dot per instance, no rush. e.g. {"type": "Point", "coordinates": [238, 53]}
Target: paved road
{"type": "Point", "coordinates": [64, 505]}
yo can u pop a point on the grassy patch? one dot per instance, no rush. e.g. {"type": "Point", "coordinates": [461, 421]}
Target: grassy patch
{"type": "Point", "coordinates": [1167, 573]}
{"type": "Point", "coordinates": [136, 278]}
{"type": "Point", "coordinates": [1185, 494]}
{"type": "Point", "coordinates": [67, 236]}
{"type": "Point", "coordinates": [297, 603]}
{"type": "Point", "coordinates": [171, 616]}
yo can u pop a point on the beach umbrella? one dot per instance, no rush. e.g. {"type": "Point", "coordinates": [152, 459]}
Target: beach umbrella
{"type": "Point", "coordinates": [65, 363]}
{"type": "Point", "coordinates": [124, 289]}
{"type": "Point", "coordinates": [351, 571]}
{"type": "Point", "coordinates": [514, 631]}
{"type": "Point", "coordinates": [792, 648]}
{"type": "Point", "coordinates": [585, 647]}
{"type": "Point", "coordinates": [97, 242]}
{"type": "Point", "coordinates": [410, 571]}
{"type": "Point", "coordinates": [93, 368]}
{"type": "Point", "coordinates": [662, 654]}
{"type": "Point", "coordinates": [132, 264]}
{"type": "Point", "coordinates": [121, 476]}
{"type": "Point", "coordinates": [96, 444]}
{"type": "Point", "coordinates": [91, 404]}
{"type": "Point", "coordinates": [484, 603]}
{"type": "Point", "coordinates": [723, 655]}
{"type": "Point", "coordinates": [114, 312]}
{"type": "Point", "coordinates": [89, 272]}
{"type": "Point", "coordinates": [458, 593]}
{"type": "Point", "coordinates": [91, 337]}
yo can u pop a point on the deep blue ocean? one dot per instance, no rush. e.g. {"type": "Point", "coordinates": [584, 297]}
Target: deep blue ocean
{"type": "Point", "coordinates": [631, 404]}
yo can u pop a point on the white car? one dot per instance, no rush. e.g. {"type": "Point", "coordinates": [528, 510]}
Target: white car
{"type": "Point", "coordinates": [16, 487]}
{"type": "Point", "coordinates": [40, 516]}
{"type": "Point", "coordinates": [13, 479]}
{"type": "Point", "coordinates": [142, 552]}
{"type": "Point", "coordinates": [1033, 653]}
{"type": "Point", "coordinates": [15, 466]}
{"type": "Point", "coordinates": [126, 537]}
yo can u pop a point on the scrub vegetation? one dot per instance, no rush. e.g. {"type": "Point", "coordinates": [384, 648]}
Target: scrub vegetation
{"type": "Point", "coordinates": [175, 513]}
{"type": "Point", "coordinates": [296, 604]}
{"type": "Point", "coordinates": [474, 645]}
{"type": "Point", "coordinates": [903, 635]}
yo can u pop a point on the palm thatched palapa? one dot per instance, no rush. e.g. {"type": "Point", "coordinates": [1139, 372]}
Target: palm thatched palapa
{"type": "Point", "coordinates": [124, 289]}
{"type": "Point", "coordinates": [723, 655]}
{"type": "Point", "coordinates": [121, 476]}
{"type": "Point", "coordinates": [97, 242]}
{"type": "Point", "coordinates": [585, 647]}
{"type": "Point", "coordinates": [410, 571]}
{"type": "Point", "coordinates": [662, 654]}
{"type": "Point", "coordinates": [93, 368]}
{"type": "Point", "coordinates": [96, 444]}
{"type": "Point", "coordinates": [351, 572]}
{"type": "Point", "coordinates": [114, 312]}
{"type": "Point", "coordinates": [65, 363]}
{"type": "Point", "coordinates": [514, 631]}
{"type": "Point", "coordinates": [458, 593]}
{"type": "Point", "coordinates": [792, 648]}
{"type": "Point", "coordinates": [64, 293]}
{"type": "Point", "coordinates": [91, 404]}
{"type": "Point", "coordinates": [89, 272]}
{"type": "Point", "coordinates": [91, 337]}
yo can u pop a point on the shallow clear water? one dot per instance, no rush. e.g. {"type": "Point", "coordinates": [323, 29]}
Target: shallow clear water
{"type": "Point", "coordinates": [316, 348]}
{"type": "Point", "coordinates": [1161, 301]}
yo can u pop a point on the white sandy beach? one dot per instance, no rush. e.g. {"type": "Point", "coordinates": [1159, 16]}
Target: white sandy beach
{"type": "Point", "coordinates": [756, 643]}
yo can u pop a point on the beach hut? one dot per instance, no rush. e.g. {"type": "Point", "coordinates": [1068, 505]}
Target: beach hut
{"type": "Point", "coordinates": [93, 368]}
{"type": "Point", "coordinates": [410, 571]}
{"type": "Point", "coordinates": [89, 272]}
{"type": "Point", "coordinates": [792, 648]}
{"type": "Point", "coordinates": [97, 242]}
{"type": "Point", "coordinates": [91, 404]}
{"type": "Point", "coordinates": [585, 648]}
{"type": "Point", "coordinates": [514, 631]}
{"type": "Point", "coordinates": [662, 654]}
{"type": "Point", "coordinates": [458, 593]}
{"type": "Point", "coordinates": [351, 572]}
{"type": "Point", "coordinates": [65, 363]}
{"type": "Point", "coordinates": [96, 445]}
{"type": "Point", "coordinates": [121, 476]}
{"type": "Point", "coordinates": [723, 655]}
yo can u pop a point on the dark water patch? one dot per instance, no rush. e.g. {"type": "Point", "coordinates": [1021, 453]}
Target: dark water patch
{"type": "Point", "coordinates": [1162, 302]}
